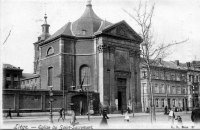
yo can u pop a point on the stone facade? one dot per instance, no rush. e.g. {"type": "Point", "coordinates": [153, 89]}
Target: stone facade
{"type": "Point", "coordinates": [175, 85]}
{"type": "Point", "coordinates": [92, 55]}
{"type": "Point", "coordinates": [169, 82]}
{"type": "Point", "coordinates": [193, 82]}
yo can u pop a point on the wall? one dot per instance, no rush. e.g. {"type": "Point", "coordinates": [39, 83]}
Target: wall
{"type": "Point", "coordinates": [85, 56]}
{"type": "Point", "coordinates": [38, 101]}
{"type": "Point", "coordinates": [50, 61]}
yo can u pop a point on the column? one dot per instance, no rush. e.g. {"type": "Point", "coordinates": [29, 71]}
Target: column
{"type": "Point", "coordinates": [61, 60]}
{"type": "Point", "coordinates": [100, 72]}
{"type": "Point", "coordinates": [132, 78]}
{"type": "Point", "coordinates": [112, 76]}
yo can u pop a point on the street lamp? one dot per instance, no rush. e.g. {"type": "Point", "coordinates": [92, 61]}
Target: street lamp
{"type": "Point", "coordinates": [88, 104]}
{"type": "Point", "coordinates": [50, 101]}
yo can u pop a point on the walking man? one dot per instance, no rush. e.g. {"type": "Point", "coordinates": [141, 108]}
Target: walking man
{"type": "Point", "coordinates": [61, 114]}
{"type": "Point", "coordinates": [9, 113]}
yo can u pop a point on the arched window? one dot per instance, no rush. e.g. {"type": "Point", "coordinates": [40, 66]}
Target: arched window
{"type": "Point", "coordinates": [50, 76]}
{"type": "Point", "coordinates": [50, 51]}
{"type": "Point", "coordinates": [85, 75]}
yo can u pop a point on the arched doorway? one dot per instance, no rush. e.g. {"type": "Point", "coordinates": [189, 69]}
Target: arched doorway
{"type": "Point", "coordinates": [79, 104]}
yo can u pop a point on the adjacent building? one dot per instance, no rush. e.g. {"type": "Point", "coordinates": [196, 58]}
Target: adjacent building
{"type": "Point", "coordinates": [30, 81]}
{"type": "Point", "coordinates": [193, 82]}
{"type": "Point", "coordinates": [169, 82]}
{"type": "Point", "coordinates": [11, 76]}
{"type": "Point", "coordinates": [175, 85]}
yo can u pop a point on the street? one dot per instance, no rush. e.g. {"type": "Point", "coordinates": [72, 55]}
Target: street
{"type": "Point", "coordinates": [115, 121]}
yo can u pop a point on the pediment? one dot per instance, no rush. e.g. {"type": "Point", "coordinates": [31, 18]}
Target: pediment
{"type": "Point", "coordinates": [122, 29]}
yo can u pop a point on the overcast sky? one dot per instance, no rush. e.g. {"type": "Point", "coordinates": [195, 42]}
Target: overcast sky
{"type": "Point", "coordinates": [173, 20]}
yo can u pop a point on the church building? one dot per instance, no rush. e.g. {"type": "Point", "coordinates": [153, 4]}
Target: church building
{"type": "Point", "coordinates": [94, 56]}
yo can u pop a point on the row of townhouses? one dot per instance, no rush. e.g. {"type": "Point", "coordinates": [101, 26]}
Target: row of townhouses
{"type": "Point", "coordinates": [175, 85]}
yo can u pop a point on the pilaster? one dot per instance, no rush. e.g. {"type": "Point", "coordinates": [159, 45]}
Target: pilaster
{"type": "Point", "coordinates": [101, 71]}
{"type": "Point", "coordinates": [112, 75]}
{"type": "Point", "coordinates": [61, 64]}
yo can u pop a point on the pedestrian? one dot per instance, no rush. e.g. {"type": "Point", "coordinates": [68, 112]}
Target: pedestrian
{"type": "Point", "coordinates": [122, 111]}
{"type": "Point", "coordinates": [126, 116]}
{"type": "Point", "coordinates": [128, 109]}
{"type": "Point", "coordinates": [165, 110]}
{"type": "Point", "coordinates": [147, 111]}
{"type": "Point", "coordinates": [9, 113]}
{"type": "Point", "coordinates": [61, 112]}
{"type": "Point", "coordinates": [179, 123]}
{"type": "Point", "coordinates": [195, 117]}
{"type": "Point", "coordinates": [100, 109]}
{"type": "Point", "coordinates": [171, 117]}
{"type": "Point", "coordinates": [105, 117]}
{"type": "Point", "coordinates": [73, 120]}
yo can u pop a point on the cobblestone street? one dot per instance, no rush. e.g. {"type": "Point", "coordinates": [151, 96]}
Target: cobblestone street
{"type": "Point", "coordinates": [116, 121]}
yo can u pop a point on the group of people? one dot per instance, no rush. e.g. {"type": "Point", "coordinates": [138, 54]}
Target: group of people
{"type": "Point", "coordinates": [195, 118]}
{"type": "Point", "coordinates": [105, 117]}
{"type": "Point", "coordinates": [172, 118]}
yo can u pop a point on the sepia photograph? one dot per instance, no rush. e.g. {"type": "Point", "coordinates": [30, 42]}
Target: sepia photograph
{"type": "Point", "coordinates": [100, 64]}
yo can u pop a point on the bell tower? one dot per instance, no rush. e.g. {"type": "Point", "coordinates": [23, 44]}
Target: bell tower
{"type": "Point", "coordinates": [45, 30]}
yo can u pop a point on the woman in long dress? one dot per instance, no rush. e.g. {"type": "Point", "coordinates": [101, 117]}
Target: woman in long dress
{"type": "Point", "coordinates": [126, 116]}
{"type": "Point", "coordinates": [105, 117]}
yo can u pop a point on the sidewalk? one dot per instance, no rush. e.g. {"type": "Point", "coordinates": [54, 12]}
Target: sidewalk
{"type": "Point", "coordinates": [45, 115]}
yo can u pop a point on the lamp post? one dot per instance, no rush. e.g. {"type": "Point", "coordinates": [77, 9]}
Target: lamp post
{"type": "Point", "coordinates": [88, 104]}
{"type": "Point", "coordinates": [50, 101]}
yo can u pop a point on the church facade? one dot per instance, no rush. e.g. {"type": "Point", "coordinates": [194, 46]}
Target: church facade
{"type": "Point", "coordinates": [91, 55]}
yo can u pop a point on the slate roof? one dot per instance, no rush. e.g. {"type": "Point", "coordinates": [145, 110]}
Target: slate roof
{"type": "Point", "coordinates": [167, 64]}
{"type": "Point", "coordinates": [88, 22]}
{"type": "Point", "coordinates": [173, 65]}
{"type": "Point", "coordinates": [85, 26]}
{"type": "Point", "coordinates": [9, 66]}
{"type": "Point", "coordinates": [65, 30]}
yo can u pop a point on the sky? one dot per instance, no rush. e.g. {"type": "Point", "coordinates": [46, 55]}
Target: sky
{"type": "Point", "coordinates": [173, 20]}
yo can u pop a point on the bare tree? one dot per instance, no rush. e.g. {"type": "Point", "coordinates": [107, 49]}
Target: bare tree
{"type": "Point", "coordinates": [7, 36]}
{"type": "Point", "coordinates": [150, 51]}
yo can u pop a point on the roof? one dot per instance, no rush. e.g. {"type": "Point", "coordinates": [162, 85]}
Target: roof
{"type": "Point", "coordinates": [166, 64]}
{"type": "Point", "coordinates": [88, 23]}
{"type": "Point", "coordinates": [65, 30]}
{"type": "Point", "coordinates": [29, 76]}
{"type": "Point", "coordinates": [9, 66]}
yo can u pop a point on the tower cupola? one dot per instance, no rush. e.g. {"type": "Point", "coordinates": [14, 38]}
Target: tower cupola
{"type": "Point", "coordinates": [88, 23]}
{"type": "Point", "coordinates": [45, 30]}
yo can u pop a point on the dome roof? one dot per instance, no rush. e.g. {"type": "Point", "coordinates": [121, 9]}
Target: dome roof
{"type": "Point", "coordinates": [88, 23]}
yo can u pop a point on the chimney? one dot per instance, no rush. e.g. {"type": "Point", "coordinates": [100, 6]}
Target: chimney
{"type": "Point", "coordinates": [188, 64]}
{"type": "Point", "coordinates": [160, 60]}
{"type": "Point", "coordinates": [177, 62]}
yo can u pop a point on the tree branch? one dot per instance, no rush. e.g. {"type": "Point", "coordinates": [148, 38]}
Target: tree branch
{"type": "Point", "coordinates": [7, 36]}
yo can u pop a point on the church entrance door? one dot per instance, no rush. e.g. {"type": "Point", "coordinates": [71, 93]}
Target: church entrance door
{"type": "Point", "coordinates": [79, 104]}
{"type": "Point", "coordinates": [121, 88]}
